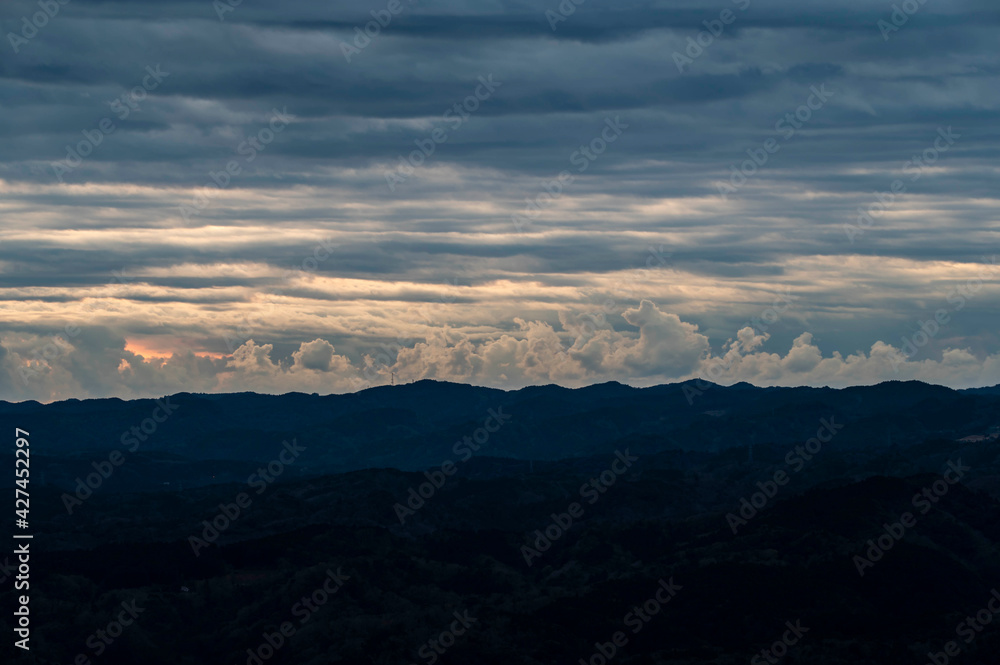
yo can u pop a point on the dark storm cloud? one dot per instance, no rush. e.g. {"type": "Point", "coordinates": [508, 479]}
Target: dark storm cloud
{"type": "Point", "coordinates": [128, 203]}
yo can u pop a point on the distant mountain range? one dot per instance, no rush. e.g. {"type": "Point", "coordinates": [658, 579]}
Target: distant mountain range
{"type": "Point", "coordinates": [867, 519]}
{"type": "Point", "coordinates": [209, 438]}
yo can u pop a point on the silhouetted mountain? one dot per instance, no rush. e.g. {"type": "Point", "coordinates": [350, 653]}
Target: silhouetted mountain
{"type": "Point", "coordinates": [760, 508]}
{"type": "Point", "coordinates": [212, 438]}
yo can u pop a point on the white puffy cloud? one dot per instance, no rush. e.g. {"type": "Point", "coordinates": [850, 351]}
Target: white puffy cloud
{"type": "Point", "coordinates": [656, 347]}
{"type": "Point", "coordinates": [97, 365]}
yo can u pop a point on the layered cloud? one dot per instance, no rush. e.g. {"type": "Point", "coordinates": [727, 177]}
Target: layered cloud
{"type": "Point", "coordinates": [204, 197]}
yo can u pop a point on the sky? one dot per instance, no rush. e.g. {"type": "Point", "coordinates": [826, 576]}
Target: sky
{"type": "Point", "coordinates": [321, 197]}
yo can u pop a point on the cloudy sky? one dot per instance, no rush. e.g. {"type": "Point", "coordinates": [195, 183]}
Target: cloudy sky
{"type": "Point", "coordinates": [199, 196]}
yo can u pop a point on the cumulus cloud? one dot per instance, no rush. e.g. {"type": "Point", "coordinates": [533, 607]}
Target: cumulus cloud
{"type": "Point", "coordinates": [98, 364]}
{"type": "Point", "coordinates": [658, 348]}
{"type": "Point", "coordinates": [316, 355]}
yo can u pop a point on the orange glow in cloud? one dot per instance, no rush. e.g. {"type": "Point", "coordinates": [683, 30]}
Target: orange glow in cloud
{"type": "Point", "coordinates": [162, 348]}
